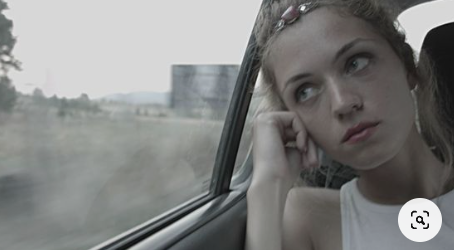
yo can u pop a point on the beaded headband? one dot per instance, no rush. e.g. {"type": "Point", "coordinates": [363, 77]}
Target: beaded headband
{"type": "Point", "coordinates": [293, 13]}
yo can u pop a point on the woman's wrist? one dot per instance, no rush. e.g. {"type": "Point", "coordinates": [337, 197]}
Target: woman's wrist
{"type": "Point", "coordinates": [275, 182]}
{"type": "Point", "coordinates": [273, 189]}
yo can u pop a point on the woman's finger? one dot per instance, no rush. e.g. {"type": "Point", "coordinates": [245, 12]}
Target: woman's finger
{"type": "Point", "coordinates": [301, 135]}
{"type": "Point", "coordinates": [312, 154]}
{"type": "Point", "coordinates": [295, 160]}
{"type": "Point", "coordinates": [301, 141]}
{"type": "Point", "coordinates": [290, 135]}
{"type": "Point", "coordinates": [305, 160]}
{"type": "Point", "coordinates": [293, 129]}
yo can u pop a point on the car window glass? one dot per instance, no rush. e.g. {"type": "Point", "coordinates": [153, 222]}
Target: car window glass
{"type": "Point", "coordinates": [435, 13]}
{"type": "Point", "coordinates": [257, 102]}
{"type": "Point", "coordinates": [114, 113]}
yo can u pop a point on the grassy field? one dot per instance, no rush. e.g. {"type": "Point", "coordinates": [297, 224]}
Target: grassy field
{"type": "Point", "coordinates": [71, 183]}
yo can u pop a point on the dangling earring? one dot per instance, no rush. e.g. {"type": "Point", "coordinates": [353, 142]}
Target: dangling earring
{"type": "Point", "coordinates": [412, 81]}
{"type": "Point", "coordinates": [415, 102]}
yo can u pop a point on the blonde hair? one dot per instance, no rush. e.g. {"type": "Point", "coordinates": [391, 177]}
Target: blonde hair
{"type": "Point", "coordinates": [432, 122]}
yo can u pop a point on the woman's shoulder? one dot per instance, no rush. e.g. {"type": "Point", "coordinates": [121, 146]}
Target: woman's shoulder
{"type": "Point", "coordinates": [315, 203]}
{"type": "Point", "coordinates": [311, 197]}
{"type": "Point", "coordinates": [315, 212]}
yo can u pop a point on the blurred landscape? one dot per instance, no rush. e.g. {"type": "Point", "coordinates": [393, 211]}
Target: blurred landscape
{"type": "Point", "coordinates": [73, 177]}
{"type": "Point", "coordinates": [95, 139]}
{"type": "Point", "coordinates": [76, 172]}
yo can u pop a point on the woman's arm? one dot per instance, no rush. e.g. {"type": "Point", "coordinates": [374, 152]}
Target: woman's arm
{"type": "Point", "coordinates": [276, 168]}
{"type": "Point", "coordinates": [275, 223]}
{"type": "Point", "coordinates": [266, 203]}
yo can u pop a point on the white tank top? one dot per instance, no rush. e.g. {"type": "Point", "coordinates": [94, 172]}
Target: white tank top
{"type": "Point", "coordinates": [371, 226]}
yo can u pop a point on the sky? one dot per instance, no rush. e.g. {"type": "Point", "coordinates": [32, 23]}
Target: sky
{"type": "Point", "coordinates": [100, 47]}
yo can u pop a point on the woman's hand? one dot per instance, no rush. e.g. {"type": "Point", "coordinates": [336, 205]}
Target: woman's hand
{"type": "Point", "coordinates": [276, 168]}
{"type": "Point", "coordinates": [273, 160]}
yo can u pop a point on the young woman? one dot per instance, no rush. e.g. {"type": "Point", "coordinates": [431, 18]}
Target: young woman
{"type": "Point", "coordinates": [345, 81]}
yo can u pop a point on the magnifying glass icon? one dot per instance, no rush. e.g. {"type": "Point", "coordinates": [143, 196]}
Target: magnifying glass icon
{"type": "Point", "coordinates": [420, 220]}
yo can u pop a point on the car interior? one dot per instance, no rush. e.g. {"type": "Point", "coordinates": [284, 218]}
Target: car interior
{"type": "Point", "coordinates": [218, 220]}
{"type": "Point", "coordinates": [438, 45]}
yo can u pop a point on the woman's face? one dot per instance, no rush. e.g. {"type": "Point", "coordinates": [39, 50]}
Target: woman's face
{"type": "Point", "coordinates": [336, 72]}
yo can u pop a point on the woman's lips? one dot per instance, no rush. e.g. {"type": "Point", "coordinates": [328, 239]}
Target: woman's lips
{"type": "Point", "coordinates": [359, 132]}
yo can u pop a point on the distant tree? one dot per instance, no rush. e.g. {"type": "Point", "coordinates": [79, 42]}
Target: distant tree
{"type": "Point", "coordinates": [8, 95]}
{"type": "Point", "coordinates": [38, 96]}
{"type": "Point", "coordinates": [63, 107]}
{"type": "Point", "coordinates": [54, 101]}
{"type": "Point", "coordinates": [37, 92]}
{"type": "Point", "coordinates": [95, 108]}
{"type": "Point", "coordinates": [84, 97]}
{"type": "Point", "coordinates": [83, 102]}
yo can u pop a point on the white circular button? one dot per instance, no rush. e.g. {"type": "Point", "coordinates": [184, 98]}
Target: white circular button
{"type": "Point", "coordinates": [420, 220]}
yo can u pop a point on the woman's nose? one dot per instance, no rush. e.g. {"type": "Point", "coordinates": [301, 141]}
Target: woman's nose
{"type": "Point", "coordinates": [344, 100]}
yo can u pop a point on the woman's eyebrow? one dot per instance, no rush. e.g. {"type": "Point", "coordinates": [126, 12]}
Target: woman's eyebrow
{"type": "Point", "coordinates": [295, 78]}
{"type": "Point", "coordinates": [348, 46]}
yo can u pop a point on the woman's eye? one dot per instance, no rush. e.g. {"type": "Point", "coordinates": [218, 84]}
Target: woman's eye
{"type": "Point", "coordinates": [304, 93]}
{"type": "Point", "coordinates": [357, 63]}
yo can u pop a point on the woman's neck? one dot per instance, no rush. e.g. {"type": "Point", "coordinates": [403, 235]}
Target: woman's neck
{"type": "Point", "coordinates": [414, 172]}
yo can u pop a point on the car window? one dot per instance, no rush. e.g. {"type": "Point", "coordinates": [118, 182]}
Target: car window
{"type": "Point", "coordinates": [112, 113]}
{"type": "Point", "coordinates": [416, 28]}
{"type": "Point", "coordinates": [256, 105]}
